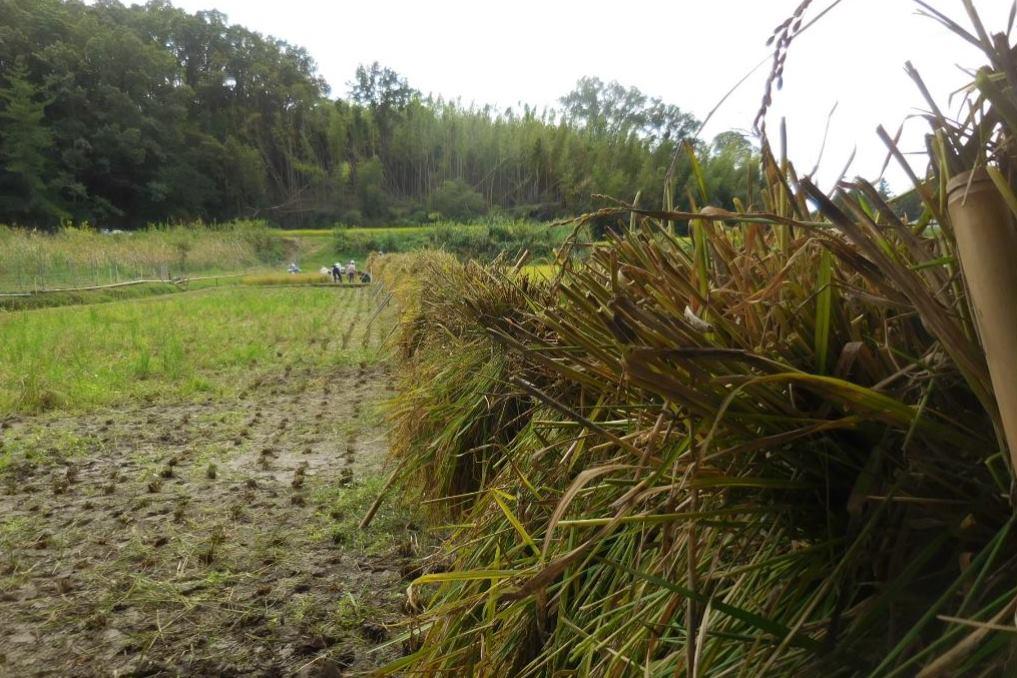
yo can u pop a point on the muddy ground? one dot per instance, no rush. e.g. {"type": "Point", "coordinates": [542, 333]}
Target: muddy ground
{"type": "Point", "coordinates": [207, 538]}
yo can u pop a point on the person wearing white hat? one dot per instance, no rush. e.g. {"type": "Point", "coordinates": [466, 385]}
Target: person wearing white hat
{"type": "Point", "coordinates": [337, 272]}
{"type": "Point", "coordinates": [351, 270]}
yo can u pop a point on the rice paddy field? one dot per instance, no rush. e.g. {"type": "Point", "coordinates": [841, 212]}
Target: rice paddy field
{"type": "Point", "coordinates": [776, 437]}
{"type": "Point", "coordinates": [181, 479]}
{"type": "Point", "coordinates": [211, 341]}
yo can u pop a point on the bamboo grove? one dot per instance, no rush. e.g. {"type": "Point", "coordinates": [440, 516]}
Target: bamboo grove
{"type": "Point", "coordinates": [768, 449]}
{"type": "Point", "coordinates": [121, 116]}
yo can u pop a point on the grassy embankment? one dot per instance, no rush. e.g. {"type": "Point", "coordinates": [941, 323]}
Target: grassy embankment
{"type": "Point", "coordinates": [75, 258]}
{"type": "Point", "coordinates": [39, 300]}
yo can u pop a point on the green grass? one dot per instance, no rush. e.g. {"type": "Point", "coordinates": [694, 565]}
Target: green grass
{"type": "Point", "coordinates": [327, 232]}
{"type": "Point", "coordinates": [315, 248]}
{"type": "Point", "coordinates": [313, 251]}
{"type": "Point", "coordinates": [482, 241]}
{"type": "Point", "coordinates": [339, 509]}
{"type": "Point", "coordinates": [101, 296]}
{"type": "Point", "coordinates": [210, 342]}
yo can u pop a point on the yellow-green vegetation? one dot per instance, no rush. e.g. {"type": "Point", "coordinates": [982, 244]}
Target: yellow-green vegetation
{"type": "Point", "coordinates": [72, 257]}
{"type": "Point", "coordinates": [770, 450]}
{"type": "Point", "coordinates": [308, 278]}
{"type": "Point", "coordinates": [542, 271]}
{"type": "Point", "coordinates": [212, 342]}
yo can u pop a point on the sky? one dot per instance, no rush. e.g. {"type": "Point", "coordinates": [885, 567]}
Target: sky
{"type": "Point", "coordinates": [687, 52]}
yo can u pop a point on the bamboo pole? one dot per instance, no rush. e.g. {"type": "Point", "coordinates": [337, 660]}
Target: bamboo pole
{"type": "Point", "coordinates": [987, 244]}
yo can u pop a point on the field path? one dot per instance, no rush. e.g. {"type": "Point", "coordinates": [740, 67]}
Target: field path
{"type": "Point", "coordinates": [204, 538]}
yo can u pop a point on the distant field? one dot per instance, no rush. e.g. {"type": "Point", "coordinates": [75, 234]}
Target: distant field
{"type": "Point", "coordinates": [213, 342]}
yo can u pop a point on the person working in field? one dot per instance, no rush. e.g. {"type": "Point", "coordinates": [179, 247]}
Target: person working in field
{"type": "Point", "coordinates": [337, 272]}
{"type": "Point", "coordinates": [351, 270]}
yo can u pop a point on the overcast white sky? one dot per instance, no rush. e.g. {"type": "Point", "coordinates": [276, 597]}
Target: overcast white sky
{"type": "Point", "coordinates": [688, 52]}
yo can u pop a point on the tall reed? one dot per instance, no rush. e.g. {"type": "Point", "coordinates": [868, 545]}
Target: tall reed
{"type": "Point", "coordinates": [70, 257]}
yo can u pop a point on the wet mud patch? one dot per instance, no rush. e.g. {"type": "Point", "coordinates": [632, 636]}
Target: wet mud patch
{"type": "Point", "coordinates": [205, 538]}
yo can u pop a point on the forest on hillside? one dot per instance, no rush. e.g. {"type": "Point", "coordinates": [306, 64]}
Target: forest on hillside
{"type": "Point", "coordinates": [122, 116]}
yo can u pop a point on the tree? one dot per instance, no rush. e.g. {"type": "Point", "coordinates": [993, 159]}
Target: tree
{"type": "Point", "coordinates": [386, 94]}
{"type": "Point", "coordinates": [380, 88]}
{"type": "Point", "coordinates": [730, 166]}
{"type": "Point", "coordinates": [26, 176]}
{"type": "Point", "coordinates": [369, 178]}
{"type": "Point", "coordinates": [614, 110]}
{"type": "Point", "coordinates": [455, 199]}
{"type": "Point", "coordinates": [908, 205]}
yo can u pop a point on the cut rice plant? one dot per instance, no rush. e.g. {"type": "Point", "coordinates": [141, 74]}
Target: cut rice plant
{"type": "Point", "coordinates": [309, 278]}
{"type": "Point", "coordinates": [456, 409]}
{"type": "Point", "coordinates": [774, 449]}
